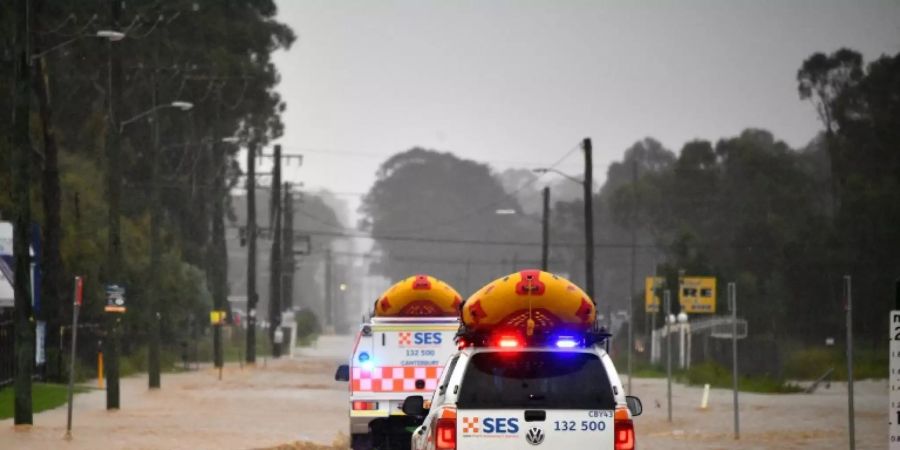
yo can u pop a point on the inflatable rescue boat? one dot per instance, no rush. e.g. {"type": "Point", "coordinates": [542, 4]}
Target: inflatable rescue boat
{"type": "Point", "coordinates": [419, 296]}
{"type": "Point", "coordinates": [531, 302]}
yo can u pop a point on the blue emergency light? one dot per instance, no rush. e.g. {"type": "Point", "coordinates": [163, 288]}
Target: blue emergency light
{"type": "Point", "coordinates": [566, 342]}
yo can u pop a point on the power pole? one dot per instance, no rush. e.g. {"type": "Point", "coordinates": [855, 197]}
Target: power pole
{"type": "Point", "coordinates": [634, 172]}
{"type": "Point", "coordinates": [329, 303]}
{"type": "Point", "coordinates": [153, 368]}
{"type": "Point", "coordinates": [588, 219]}
{"type": "Point", "coordinates": [275, 254]}
{"type": "Point", "coordinates": [51, 261]}
{"type": "Point", "coordinates": [252, 298]}
{"type": "Point", "coordinates": [24, 327]}
{"type": "Point", "coordinates": [287, 252]}
{"type": "Point", "coordinates": [545, 230]}
{"type": "Point", "coordinates": [114, 190]}
{"type": "Point", "coordinates": [218, 253]}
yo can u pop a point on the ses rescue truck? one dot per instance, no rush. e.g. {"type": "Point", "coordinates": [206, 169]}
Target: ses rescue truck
{"type": "Point", "coordinates": [531, 371]}
{"type": "Point", "coordinates": [399, 352]}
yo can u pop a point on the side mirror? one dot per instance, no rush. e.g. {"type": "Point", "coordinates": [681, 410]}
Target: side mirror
{"type": "Point", "coordinates": [342, 373]}
{"type": "Point", "coordinates": [634, 405]}
{"type": "Point", "coordinates": [414, 406]}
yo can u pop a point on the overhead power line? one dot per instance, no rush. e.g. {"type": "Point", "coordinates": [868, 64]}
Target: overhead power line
{"type": "Point", "coordinates": [428, 240]}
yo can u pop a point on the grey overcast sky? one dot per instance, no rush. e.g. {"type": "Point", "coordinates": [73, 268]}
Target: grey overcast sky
{"type": "Point", "coordinates": [520, 82]}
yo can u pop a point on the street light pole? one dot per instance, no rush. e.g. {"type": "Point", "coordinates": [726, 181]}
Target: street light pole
{"type": "Point", "coordinates": [251, 254]}
{"type": "Point", "coordinates": [588, 182]}
{"type": "Point", "coordinates": [153, 368]}
{"type": "Point", "coordinates": [113, 192]}
{"type": "Point", "coordinates": [634, 170]}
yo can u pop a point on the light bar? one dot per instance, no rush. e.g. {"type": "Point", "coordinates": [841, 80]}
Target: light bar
{"type": "Point", "coordinates": [509, 342]}
{"type": "Point", "coordinates": [566, 342]}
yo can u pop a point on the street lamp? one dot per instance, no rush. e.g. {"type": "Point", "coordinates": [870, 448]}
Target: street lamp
{"type": "Point", "coordinates": [588, 224]}
{"type": "Point", "coordinates": [112, 35]}
{"type": "Point", "coordinates": [181, 105]}
{"type": "Point", "coordinates": [543, 170]}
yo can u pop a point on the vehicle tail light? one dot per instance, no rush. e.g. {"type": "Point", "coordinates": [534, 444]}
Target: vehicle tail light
{"type": "Point", "coordinates": [364, 406]}
{"type": "Point", "coordinates": [445, 434]}
{"type": "Point", "coordinates": [624, 430]}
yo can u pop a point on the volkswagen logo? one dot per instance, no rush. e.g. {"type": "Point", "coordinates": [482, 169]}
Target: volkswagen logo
{"type": "Point", "coordinates": [534, 436]}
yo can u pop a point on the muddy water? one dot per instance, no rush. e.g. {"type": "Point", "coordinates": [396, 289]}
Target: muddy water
{"type": "Point", "coordinates": [782, 421]}
{"type": "Point", "coordinates": [294, 404]}
{"type": "Point", "coordinates": [281, 402]}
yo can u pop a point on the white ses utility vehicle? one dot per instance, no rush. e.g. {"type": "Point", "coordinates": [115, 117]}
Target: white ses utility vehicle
{"type": "Point", "coordinates": [399, 352]}
{"type": "Point", "coordinates": [545, 383]}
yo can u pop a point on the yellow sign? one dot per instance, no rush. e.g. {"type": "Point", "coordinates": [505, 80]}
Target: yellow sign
{"type": "Point", "coordinates": [651, 300]}
{"type": "Point", "coordinates": [697, 295]}
{"type": "Point", "coordinates": [217, 317]}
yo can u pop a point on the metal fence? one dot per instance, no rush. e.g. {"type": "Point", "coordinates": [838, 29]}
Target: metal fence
{"type": "Point", "coordinates": [7, 352]}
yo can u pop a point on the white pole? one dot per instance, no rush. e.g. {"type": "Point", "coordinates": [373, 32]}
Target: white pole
{"type": "Point", "coordinates": [850, 409]}
{"type": "Point", "coordinates": [76, 306]}
{"type": "Point", "coordinates": [666, 299]}
{"type": "Point", "coordinates": [732, 302]}
{"type": "Point", "coordinates": [704, 400]}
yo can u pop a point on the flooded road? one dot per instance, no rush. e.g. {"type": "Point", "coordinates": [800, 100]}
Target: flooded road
{"type": "Point", "coordinates": [293, 403]}
{"type": "Point", "coordinates": [275, 403]}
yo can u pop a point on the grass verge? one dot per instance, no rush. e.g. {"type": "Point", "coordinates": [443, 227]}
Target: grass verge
{"type": "Point", "coordinates": [44, 396]}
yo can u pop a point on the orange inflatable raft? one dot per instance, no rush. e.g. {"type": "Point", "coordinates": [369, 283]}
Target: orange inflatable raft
{"type": "Point", "coordinates": [531, 301]}
{"type": "Point", "coordinates": [419, 296]}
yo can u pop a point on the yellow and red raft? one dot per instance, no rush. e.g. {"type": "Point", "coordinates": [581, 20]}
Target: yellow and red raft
{"type": "Point", "coordinates": [419, 296]}
{"type": "Point", "coordinates": [530, 301]}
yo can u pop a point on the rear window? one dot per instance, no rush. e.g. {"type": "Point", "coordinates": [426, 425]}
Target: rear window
{"type": "Point", "coordinates": [529, 380]}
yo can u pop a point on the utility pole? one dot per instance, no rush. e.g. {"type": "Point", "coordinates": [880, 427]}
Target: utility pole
{"type": "Point", "coordinates": [287, 252]}
{"type": "Point", "coordinates": [588, 219]}
{"type": "Point", "coordinates": [113, 192]}
{"type": "Point", "coordinates": [545, 230]}
{"type": "Point", "coordinates": [218, 253]}
{"type": "Point", "coordinates": [275, 254]}
{"type": "Point", "coordinates": [153, 368]}
{"type": "Point", "coordinates": [24, 320]}
{"type": "Point", "coordinates": [52, 283]}
{"type": "Point", "coordinates": [634, 190]}
{"type": "Point", "coordinates": [329, 303]}
{"type": "Point", "coordinates": [252, 298]}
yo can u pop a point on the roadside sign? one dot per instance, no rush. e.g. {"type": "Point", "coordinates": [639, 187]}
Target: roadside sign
{"type": "Point", "coordinates": [115, 299]}
{"type": "Point", "coordinates": [894, 382]}
{"type": "Point", "coordinates": [216, 317]}
{"type": "Point", "coordinates": [651, 299]}
{"type": "Point", "coordinates": [697, 295]}
{"type": "Point", "coordinates": [79, 290]}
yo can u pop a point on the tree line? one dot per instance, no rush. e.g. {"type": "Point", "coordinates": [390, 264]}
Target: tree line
{"type": "Point", "coordinates": [785, 224]}
{"type": "Point", "coordinates": [213, 59]}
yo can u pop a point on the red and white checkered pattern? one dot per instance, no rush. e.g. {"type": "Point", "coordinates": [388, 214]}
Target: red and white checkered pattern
{"type": "Point", "coordinates": [470, 425]}
{"type": "Point", "coordinates": [404, 338]}
{"type": "Point", "coordinates": [394, 379]}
